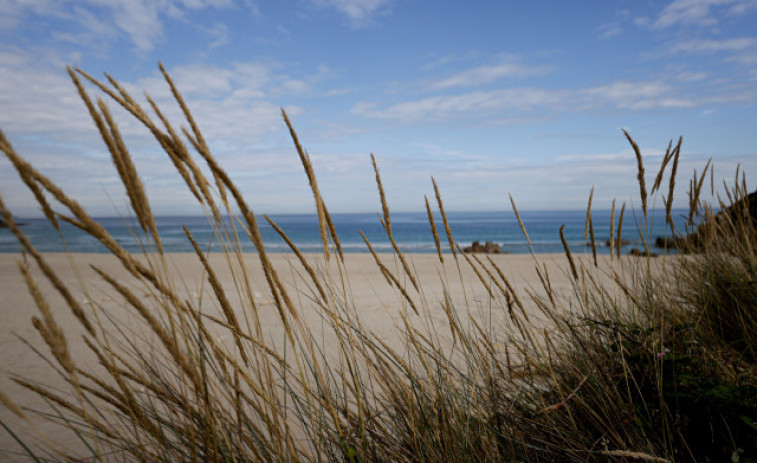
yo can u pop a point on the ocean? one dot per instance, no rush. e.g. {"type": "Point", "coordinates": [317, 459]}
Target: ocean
{"type": "Point", "coordinates": [411, 231]}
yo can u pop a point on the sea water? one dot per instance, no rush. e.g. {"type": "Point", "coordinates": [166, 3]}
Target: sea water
{"type": "Point", "coordinates": [411, 231]}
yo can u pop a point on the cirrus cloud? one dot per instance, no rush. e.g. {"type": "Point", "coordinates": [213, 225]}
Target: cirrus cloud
{"type": "Point", "coordinates": [700, 12]}
{"type": "Point", "coordinates": [624, 95]}
{"type": "Point", "coordinates": [94, 21]}
{"type": "Point", "coordinates": [490, 73]}
{"type": "Point", "coordinates": [359, 12]}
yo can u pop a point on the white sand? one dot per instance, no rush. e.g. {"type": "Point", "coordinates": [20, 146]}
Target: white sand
{"type": "Point", "coordinates": [377, 302]}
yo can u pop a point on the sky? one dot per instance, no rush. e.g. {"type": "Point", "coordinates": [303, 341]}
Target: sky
{"type": "Point", "coordinates": [489, 97]}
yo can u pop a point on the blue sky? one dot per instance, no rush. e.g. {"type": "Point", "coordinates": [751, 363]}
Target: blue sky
{"type": "Point", "coordinates": [490, 98]}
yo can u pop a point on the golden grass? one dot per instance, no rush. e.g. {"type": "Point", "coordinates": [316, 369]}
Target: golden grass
{"type": "Point", "coordinates": [514, 375]}
{"type": "Point", "coordinates": [640, 176]}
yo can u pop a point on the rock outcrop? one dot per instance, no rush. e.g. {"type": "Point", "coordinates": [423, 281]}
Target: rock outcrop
{"type": "Point", "coordinates": [487, 248]}
{"type": "Point", "coordinates": [709, 229]}
{"type": "Point", "coordinates": [4, 224]}
{"type": "Point", "coordinates": [638, 253]}
{"type": "Point", "coordinates": [622, 243]}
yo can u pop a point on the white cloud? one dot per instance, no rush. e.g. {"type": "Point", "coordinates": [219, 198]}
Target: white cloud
{"type": "Point", "coordinates": [688, 12]}
{"type": "Point", "coordinates": [37, 98]}
{"type": "Point", "coordinates": [700, 12]}
{"type": "Point", "coordinates": [747, 59]}
{"type": "Point", "coordinates": [339, 91]}
{"type": "Point", "coordinates": [205, 81]}
{"type": "Point", "coordinates": [237, 104]}
{"type": "Point", "coordinates": [240, 81]}
{"type": "Point", "coordinates": [359, 12]}
{"type": "Point", "coordinates": [491, 73]}
{"type": "Point", "coordinates": [473, 102]}
{"type": "Point", "coordinates": [438, 62]}
{"type": "Point", "coordinates": [567, 181]}
{"type": "Point", "coordinates": [634, 96]}
{"type": "Point", "coordinates": [95, 32]}
{"type": "Point", "coordinates": [218, 33]}
{"type": "Point", "coordinates": [140, 20]}
{"type": "Point", "coordinates": [688, 76]}
{"type": "Point", "coordinates": [742, 7]}
{"type": "Point", "coordinates": [625, 155]}
{"type": "Point", "coordinates": [714, 46]}
{"type": "Point", "coordinates": [637, 95]}
{"type": "Point", "coordinates": [481, 183]}
{"type": "Point", "coordinates": [606, 31]}
{"type": "Point", "coordinates": [739, 49]}
{"type": "Point", "coordinates": [614, 28]}
{"type": "Point", "coordinates": [12, 12]}
{"type": "Point", "coordinates": [234, 106]}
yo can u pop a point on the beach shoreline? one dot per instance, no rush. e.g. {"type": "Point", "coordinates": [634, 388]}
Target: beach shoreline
{"type": "Point", "coordinates": [378, 304]}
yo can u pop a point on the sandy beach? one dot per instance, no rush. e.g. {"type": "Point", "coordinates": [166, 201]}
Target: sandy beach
{"type": "Point", "coordinates": [378, 304]}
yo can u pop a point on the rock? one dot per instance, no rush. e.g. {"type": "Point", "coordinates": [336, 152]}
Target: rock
{"type": "Point", "coordinates": [487, 248]}
{"type": "Point", "coordinates": [622, 243]}
{"type": "Point", "coordinates": [3, 224]}
{"type": "Point", "coordinates": [669, 243]}
{"type": "Point", "coordinates": [491, 248]}
{"type": "Point", "coordinates": [708, 231]}
{"type": "Point", "coordinates": [637, 253]}
{"type": "Point", "coordinates": [475, 247]}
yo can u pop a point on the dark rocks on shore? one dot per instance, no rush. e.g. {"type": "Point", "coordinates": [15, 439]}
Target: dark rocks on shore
{"type": "Point", "coordinates": [3, 224]}
{"type": "Point", "coordinates": [622, 243]}
{"type": "Point", "coordinates": [638, 253]}
{"type": "Point", "coordinates": [487, 248]}
{"type": "Point", "coordinates": [670, 243]}
{"type": "Point", "coordinates": [707, 231]}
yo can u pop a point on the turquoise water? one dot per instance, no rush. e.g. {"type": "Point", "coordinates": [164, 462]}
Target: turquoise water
{"type": "Point", "coordinates": [411, 230]}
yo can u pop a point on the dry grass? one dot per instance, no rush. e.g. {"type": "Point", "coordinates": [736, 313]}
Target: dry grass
{"type": "Point", "coordinates": [657, 365]}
